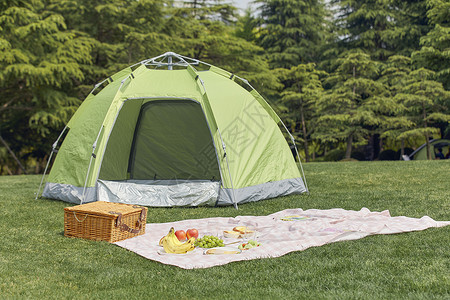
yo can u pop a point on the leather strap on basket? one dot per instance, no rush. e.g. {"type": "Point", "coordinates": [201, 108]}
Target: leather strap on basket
{"type": "Point", "coordinates": [125, 227]}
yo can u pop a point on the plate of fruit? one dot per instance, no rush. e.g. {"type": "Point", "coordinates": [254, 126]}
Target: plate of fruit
{"type": "Point", "coordinates": [249, 245]}
{"type": "Point", "coordinates": [172, 245]}
{"type": "Point", "coordinates": [161, 251]}
{"type": "Point", "coordinates": [222, 250]}
{"type": "Point", "coordinates": [239, 232]}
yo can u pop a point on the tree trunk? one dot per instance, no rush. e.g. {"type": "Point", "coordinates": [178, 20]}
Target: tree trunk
{"type": "Point", "coordinates": [402, 149]}
{"type": "Point", "coordinates": [37, 167]}
{"type": "Point", "coordinates": [348, 153]}
{"type": "Point", "coordinates": [427, 137]}
{"type": "Point", "coordinates": [12, 154]}
{"type": "Point", "coordinates": [8, 170]}
{"type": "Point", "coordinates": [305, 139]}
{"type": "Point", "coordinates": [380, 145]}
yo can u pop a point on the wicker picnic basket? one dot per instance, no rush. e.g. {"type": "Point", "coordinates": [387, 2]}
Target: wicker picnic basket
{"type": "Point", "coordinates": [104, 221]}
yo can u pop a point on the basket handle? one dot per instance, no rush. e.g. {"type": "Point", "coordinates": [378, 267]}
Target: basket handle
{"type": "Point", "coordinates": [75, 215]}
{"type": "Point", "coordinates": [125, 227]}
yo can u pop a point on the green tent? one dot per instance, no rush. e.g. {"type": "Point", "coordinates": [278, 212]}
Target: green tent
{"type": "Point", "coordinates": [164, 133]}
{"type": "Point", "coordinates": [435, 144]}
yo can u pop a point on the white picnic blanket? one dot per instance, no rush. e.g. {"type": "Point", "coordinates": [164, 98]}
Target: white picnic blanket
{"type": "Point", "coordinates": [279, 233]}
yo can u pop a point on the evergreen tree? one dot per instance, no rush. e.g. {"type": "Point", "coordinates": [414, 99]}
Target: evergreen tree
{"type": "Point", "coordinates": [40, 66]}
{"type": "Point", "coordinates": [292, 32]}
{"type": "Point", "coordinates": [435, 51]}
{"type": "Point", "coordinates": [211, 10]}
{"type": "Point", "coordinates": [303, 88]}
{"type": "Point", "coordinates": [381, 28]}
{"type": "Point", "coordinates": [125, 31]}
{"type": "Point", "coordinates": [355, 105]}
{"type": "Point", "coordinates": [411, 24]}
{"type": "Point", "coordinates": [246, 27]}
{"type": "Point", "coordinates": [396, 75]}
{"type": "Point", "coordinates": [427, 103]}
{"type": "Point", "coordinates": [207, 37]}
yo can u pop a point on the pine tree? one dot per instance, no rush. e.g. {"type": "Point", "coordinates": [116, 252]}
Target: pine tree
{"type": "Point", "coordinates": [215, 40]}
{"type": "Point", "coordinates": [292, 32]}
{"type": "Point", "coordinates": [246, 27]}
{"type": "Point", "coordinates": [303, 88]}
{"type": "Point", "coordinates": [411, 23]}
{"type": "Point", "coordinates": [40, 65]}
{"type": "Point", "coordinates": [427, 103]}
{"type": "Point", "coordinates": [355, 105]}
{"type": "Point", "coordinates": [211, 9]}
{"type": "Point", "coordinates": [396, 74]}
{"type": "Point", "coordinates": [367, 25]}
{"type": "Point", "coordinates": [435, 51]}
{"type": "Point", "coordinates": [125, 31]}
{"type": "Point", "coordinates": [381, 28]}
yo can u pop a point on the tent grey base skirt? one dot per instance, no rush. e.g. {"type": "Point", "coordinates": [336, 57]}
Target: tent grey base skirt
{"type": "Point", "coordinates": [159, 193]}
{"type": "Point", "coordinates": [169, 193]}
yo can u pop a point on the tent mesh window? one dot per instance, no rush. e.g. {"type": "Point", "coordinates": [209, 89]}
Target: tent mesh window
{"type": "Point", "coordinates": [172, 141]}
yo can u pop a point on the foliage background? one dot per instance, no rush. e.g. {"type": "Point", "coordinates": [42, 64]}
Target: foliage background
{"type": "Point", "coordinates": [376, 72]}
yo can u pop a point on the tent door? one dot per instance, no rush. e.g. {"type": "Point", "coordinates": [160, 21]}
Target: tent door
{"type": "Point", "coordinates": [172, 141]}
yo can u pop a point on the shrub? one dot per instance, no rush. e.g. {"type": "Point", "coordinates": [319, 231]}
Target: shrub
{"type": "Point", "coordinates": [318, 159]}
{"type": "Point", "coordinates": [334, 155]}
{"type": "Point", "coordinates": [389, 155]}
{"type": "Point", "coordinates": [358, 155]}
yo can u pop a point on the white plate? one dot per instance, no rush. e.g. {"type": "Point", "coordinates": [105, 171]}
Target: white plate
{"type": "Point", "coordinates": [222, 251]}
{"type": "Point", "coordinates": [161, 251]}
{"type": "Point", "coordinates": [237, 235]}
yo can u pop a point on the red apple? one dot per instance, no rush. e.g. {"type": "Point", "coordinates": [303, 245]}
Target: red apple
{"type": "Point", "coordinates": [181, 235]}
{"type": "Point", "coordinates": [192, 233]}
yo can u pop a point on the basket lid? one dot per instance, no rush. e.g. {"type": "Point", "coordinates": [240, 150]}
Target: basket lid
{"type": "Point", "coordinates": [103, 208]}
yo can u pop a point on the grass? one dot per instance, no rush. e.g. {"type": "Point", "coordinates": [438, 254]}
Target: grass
{"type": "Point", "coordinates": [37, 261]}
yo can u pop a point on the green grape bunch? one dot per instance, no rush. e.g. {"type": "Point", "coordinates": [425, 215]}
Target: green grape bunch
{"type": "Point", "coordinates": [209, 241]}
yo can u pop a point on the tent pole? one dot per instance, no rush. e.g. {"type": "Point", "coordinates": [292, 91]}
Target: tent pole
{"type": "Point", "coordinates": [298, 155]}
{"type": "Point", "coordinates": [290, 135]}
{"type": "Point", "coordinates": [169, 66]}
{"type": "Point", "coordinates": [94, 146]}
{"type": "Point", "coordinates": [300, 163]}
{"type": "Point", "coordinates": [55, 144]}
{"type": "Point", "coordinates": [229, 172]}
{"type": "Point", "coordinates": [86, 179]}
{"type": "Point", "coordinates": [223, 147]}
{"type": "Point", "coordinates": [43, 175]}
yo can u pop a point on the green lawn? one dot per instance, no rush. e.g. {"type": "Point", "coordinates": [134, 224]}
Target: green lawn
{"type": "Point", "coordinates": [37, 261]}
